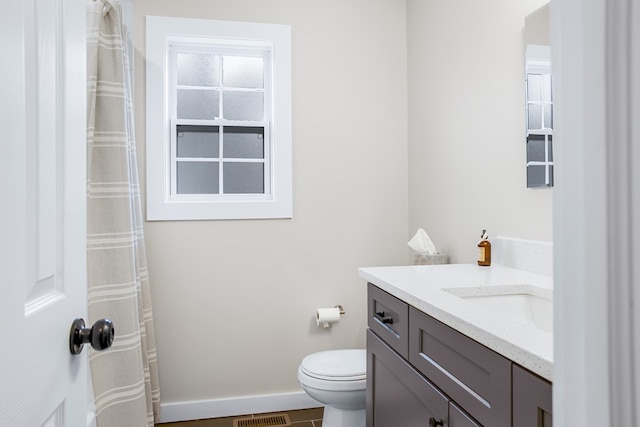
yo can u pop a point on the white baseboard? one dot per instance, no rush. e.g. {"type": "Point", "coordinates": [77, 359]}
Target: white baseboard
{"type": "Point", "coordinates": [228, 407]}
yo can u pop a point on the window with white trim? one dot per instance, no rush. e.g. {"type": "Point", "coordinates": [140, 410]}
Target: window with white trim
{"type": "Point", "coordinates": [218, 120]}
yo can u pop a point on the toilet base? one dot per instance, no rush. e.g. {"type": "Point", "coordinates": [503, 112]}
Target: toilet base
{"type": "Point", "coordinates": [334, 417]}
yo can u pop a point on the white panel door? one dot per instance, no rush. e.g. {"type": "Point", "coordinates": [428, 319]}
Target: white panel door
{"type": "Point", "coordinates": [42, 220]}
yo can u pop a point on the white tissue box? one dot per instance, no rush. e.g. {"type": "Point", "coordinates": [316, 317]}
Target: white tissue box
{"type": "Point", "coordinates": [426, 259]}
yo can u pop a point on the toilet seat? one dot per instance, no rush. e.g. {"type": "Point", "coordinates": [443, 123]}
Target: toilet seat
{"type": "Point", "coordinates": [336, 365]}
{"type": "Point", "coordinates": [337, 379]}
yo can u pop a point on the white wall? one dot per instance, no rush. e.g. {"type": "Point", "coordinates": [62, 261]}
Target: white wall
{"type": "Point", "coordinates": [234, 300]}
{"type": "Point", "coordinates": [466, 125]}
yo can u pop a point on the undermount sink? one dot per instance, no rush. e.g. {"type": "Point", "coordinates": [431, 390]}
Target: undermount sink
{"type": "Point", "coordinates": [524, 303]}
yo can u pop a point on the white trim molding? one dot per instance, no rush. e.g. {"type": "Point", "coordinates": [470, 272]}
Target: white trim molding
{"type": "Point", "coordinates": [623, 213]}
{"type": "Point", "coordinates": [595, 46]}
{"type": "Point", "coordinates": [228, 407]}
{"type": "Point", "coordinates": [163, 203]}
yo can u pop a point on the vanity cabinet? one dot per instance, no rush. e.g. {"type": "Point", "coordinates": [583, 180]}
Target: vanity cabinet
{"type": "Point", "coordinates": [531, 399]}
{"type": "Point", "coordinates": [397, 395]}
{"type": "Point", "coordinates": [389, 319]}
{"type": "Point", "coordinates": [458, 418]}
{"type": "Point", "coordinates": [421, 372]}
{"type": "Point", "coordinates": [475, 377]}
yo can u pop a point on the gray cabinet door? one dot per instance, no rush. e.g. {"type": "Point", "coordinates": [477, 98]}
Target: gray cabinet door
{"type": "Point", "coordinates": [531, 399]}
{"type": "Point", "coordinates": [397, 395]}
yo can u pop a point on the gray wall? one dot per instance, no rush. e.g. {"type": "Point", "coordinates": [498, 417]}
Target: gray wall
{"type": "Point", "coordinates": [234, 301]}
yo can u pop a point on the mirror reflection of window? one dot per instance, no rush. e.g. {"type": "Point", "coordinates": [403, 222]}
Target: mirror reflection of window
{"type": "Point", "coordinates": [539, 116]}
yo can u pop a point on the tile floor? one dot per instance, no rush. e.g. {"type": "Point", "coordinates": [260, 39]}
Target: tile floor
{"type": "Point", "coordinates": [300, 418]}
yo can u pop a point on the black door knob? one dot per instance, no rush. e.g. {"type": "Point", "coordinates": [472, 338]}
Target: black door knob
{"type": "Point", "coordinates": [100, 335]}
{"type": "Point", "coordinates": [434, 423]}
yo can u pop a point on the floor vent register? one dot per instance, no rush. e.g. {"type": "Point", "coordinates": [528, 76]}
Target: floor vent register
{"type": "Point", "coordinates": [271, 420]}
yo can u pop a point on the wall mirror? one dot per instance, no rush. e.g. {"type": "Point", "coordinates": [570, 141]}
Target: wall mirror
{"type": "Point", "coordinates": [538, 100]}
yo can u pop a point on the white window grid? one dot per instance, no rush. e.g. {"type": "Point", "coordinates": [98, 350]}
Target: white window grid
{"type": "Point", "coordinates": [547, 132]}
{"type": "Point", "coordinates": [542, 103]}
{"type": "Point", "coordinates": [220, 49]}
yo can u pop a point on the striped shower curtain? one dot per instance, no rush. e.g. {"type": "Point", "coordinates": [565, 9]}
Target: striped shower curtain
{"type": "Point", "coordinates": [125, 377]}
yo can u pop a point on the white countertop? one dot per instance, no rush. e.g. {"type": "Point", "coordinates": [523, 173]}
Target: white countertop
{"type": "Point", "coordinates": [422, 287]}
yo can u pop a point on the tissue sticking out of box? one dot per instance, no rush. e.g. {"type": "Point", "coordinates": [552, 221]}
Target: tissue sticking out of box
{"type": "Point", "coordinates": [422, 244]}
{"type": "Point", "coordinates": [425, 251]}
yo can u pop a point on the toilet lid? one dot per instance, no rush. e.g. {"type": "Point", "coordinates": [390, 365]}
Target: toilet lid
{"type": "Point", "coordinates": [336, 365]}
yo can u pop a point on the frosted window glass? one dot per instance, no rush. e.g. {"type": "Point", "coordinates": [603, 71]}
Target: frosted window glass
{"type": "Point", "coordinates": [536, 176]}
{"type": "Point", "coordinates": [244, 72]}
{"type": "Point", "coordinates": [198, 69]}
{"type": "Point", "coordinates": [244, 143]}
{"type": "Point", "coordinates": [550, 142]}
{"type": "Point", "coordinates": [535, 116]}
{"type": "Point", "coordinates": [198, 104]}
{"type": "Point", "coordinates": [534, 82]}
{"type": "Point", "coordinates": [243, 105]}
{"type": "Point", "coordinates": [198, 141]}
{"type": "Point", "coordinates": [548, 116]}
{"type": "Point", "coordinates": [198, 177]}
{"type": "Point", "coordinates": [546, 88]}
{"type": "Point", "coordinates": [243, 178]}
{"type": "Point", "coordinates": [535, 148]}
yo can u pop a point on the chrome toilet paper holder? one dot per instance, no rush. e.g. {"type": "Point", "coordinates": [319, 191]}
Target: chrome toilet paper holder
{"type": "Point", "coordinates": [327, 316]}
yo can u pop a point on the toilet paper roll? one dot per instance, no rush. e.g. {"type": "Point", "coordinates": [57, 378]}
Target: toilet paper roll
{"type": "Point", "coordinates": [327, 316]}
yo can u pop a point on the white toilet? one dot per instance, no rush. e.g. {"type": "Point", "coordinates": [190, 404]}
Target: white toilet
{"type": "Point", "coordinates": [337, 379]}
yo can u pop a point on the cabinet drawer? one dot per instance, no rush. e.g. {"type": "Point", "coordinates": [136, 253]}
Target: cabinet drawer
{"type": "Point", "coordinates": [458, 418]}
{"type": "Point", "coordinates": [389, 318]}
{"type": "Point", "coordinates": [397, 394]}
{"type": "Point", "coordinates": [475, 377]}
